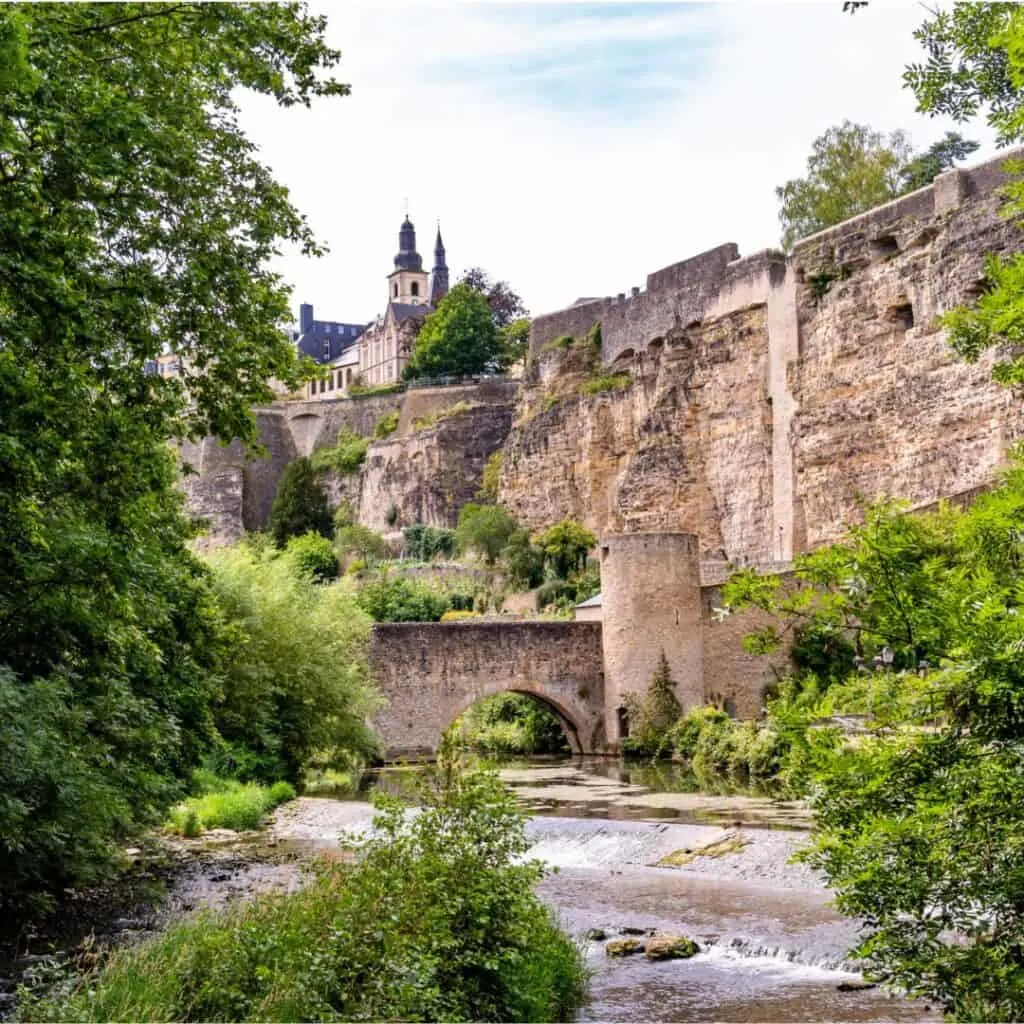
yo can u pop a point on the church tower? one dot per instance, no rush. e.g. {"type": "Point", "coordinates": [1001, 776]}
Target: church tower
{"type": "Point", "coordinates": [439, 275]}
{"type": "Point", "coordinates": [408, 282]}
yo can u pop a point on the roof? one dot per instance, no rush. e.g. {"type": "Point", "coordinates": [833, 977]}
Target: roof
{"type": "Point", "coordinates": [407, 311]}
{"type": "Point", "coordinates": [593, 602]}
{"type": "Point", "coordinates": [326, 340]}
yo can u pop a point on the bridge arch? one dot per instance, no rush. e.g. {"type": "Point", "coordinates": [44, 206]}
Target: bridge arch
{"type": "Point", "coordinates": [429, 673]}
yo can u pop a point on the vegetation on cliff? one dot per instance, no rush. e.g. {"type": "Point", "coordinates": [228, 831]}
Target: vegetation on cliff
{"type": "Point", "coordinates": [852, 169]}
{"type": "Point", "coordinates": [436, 920]}
{"type": "Point", "coordinates": [300, 505]}
{"type": "Point", "coordinates": [134, 219]}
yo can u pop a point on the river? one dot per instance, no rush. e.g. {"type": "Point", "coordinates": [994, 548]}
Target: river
{"type": "Point", "coordinates": [772, 947]}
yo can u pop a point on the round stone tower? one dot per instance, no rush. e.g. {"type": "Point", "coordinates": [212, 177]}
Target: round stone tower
{"type": "Point", "coordinates": [650, 602]}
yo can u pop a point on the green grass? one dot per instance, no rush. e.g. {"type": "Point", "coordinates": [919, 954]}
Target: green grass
{"type": "Point", "coordinates": [227, 804]}
{"type": "Point", "coordinates": [386, 425]}
{"type": "Point", "coordinates": [346, 455]}
{"type": "Point", "coordinates": [606, 382]}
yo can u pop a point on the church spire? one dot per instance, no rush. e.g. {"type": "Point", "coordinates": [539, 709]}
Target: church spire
{"type": "Point", "coordinates": [407, 258]}
{"type": "Point", "coordinates": [439, 275]}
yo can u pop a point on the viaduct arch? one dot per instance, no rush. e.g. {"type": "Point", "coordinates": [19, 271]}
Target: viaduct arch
{"type": "Point", "coordinates": [430, 672]}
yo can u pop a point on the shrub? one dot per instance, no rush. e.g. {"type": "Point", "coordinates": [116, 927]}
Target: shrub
{"type": "Point", "coordinates": [360, 540]}
{"type": "Point", "coordinates": [346, 455]}
{"type": "Point", "coordinates": [424, 543]}
{"type": "Point", "coordinates": [386, 425]}
{"type": "Point", "coordinates": [359, 391]}
{"type": "Point", "coordinates": [439, 415]}
{"type": "Point", "coordinates": [525, 560]}
{"type": "Point", "coordinates": [605, 382]}
{"type": "Point", "coordinates": [297, 682]}
{"type": "Point", "coordinates": [313, 556]}
{"type": "Point", "coordinates": [300, 505]}
{"type": "Point", "coordinates": [565, 546]}
{"type": "Point", "coordinates": [459, 615]}
{"type": "Point", "coordinates": [231, 805]}
{"type": "Point", "coordinates": [402, 600]}
{"type": "Point", "coordinates": [490, 477]}
{"type": "Point", "coordinates": [485, 529]}
{"type": "Point", "coordinates": [553, 591]}
{"type": "Point", "coordinates": [438, 920]}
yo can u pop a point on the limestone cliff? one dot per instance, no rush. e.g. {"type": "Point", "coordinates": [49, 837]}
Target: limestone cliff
{"type": "Point", "coordinates": [767, 395]}
{"type": "Point", "coordinates": [424, 472]}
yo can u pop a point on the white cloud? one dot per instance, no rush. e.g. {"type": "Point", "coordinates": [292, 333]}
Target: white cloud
{"type": "Point", "coordinates": [564, 198]}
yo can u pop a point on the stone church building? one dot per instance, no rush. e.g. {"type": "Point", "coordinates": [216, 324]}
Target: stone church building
{"type": "Point", "coordinates": [376, 354]}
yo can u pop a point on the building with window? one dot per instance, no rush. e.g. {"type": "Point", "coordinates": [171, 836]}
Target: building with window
{"type": "Point", "coordinates": [377, 353]}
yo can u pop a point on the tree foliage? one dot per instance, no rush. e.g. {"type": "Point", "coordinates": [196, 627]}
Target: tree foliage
{"type": "Point", "coordinates": [525, 560]}
{"type": "Point", "coordinates": [485, 529]}
{"type": "Point", "coordinates": [313, 556]}
{"type": "Point", "coordinates": [458, 338]}
{"type": "Point", "coordinates": [976, 63]}
{"type": "Point", "coordinates": [565, 546]}
{"type": "Point", "coordinates": [296, 689]}
{"type": "Point", "coordinates": [851, 169]}
{"type": "Point", "coordinates": [360, 541]}
{"type": "Point", "coordinates": [134, 218]}
{"type": "Point", "coordinates": [919, 824]}
{"type": "Point", "coordinates": [300, 505]}
{"type": "Point", "coordinates": [505, 305]}
{"type": "Point", "coordinates": [940, 156]}
{"type": "Point", "coordinates": [402, 600]}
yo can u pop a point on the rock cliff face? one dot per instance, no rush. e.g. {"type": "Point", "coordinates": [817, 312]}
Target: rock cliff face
{"type": "Point", "coordinates": [767, 395]}
{"type": "Point", "coordinates": [423, 473]}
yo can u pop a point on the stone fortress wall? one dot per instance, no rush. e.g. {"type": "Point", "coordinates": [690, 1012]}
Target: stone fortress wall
{"type": "Point", "coordinates": [769, 393]}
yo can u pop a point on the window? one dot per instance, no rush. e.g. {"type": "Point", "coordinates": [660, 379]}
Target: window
{"type": "Point", "coordinates": [396, 289]}
{"type": "Point", "coordinates": [327, 348]}
{"type": "Point", "coordinates": [415, 287]}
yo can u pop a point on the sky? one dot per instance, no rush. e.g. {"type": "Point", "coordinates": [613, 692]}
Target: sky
{"type": "Point", "coordinates": [571, 149]}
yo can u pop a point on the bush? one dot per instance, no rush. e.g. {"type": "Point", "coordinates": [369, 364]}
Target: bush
{"type": "Point", "coordinates": [386, 425]}
{"type": "Point", "coordinates": [490, 477]}
{"type": "Point", "coordinates": [297, 682]}
{"type": "Point", "coordinates": [438, 920]}
{"type": "Point", "coordinates": [555, 591]}
{"type": "Point", "coordinates": [231, 805]}
{"type": "Point", "coordinates": [402, 600]}
{"type": "Point", "coordinates": [424, 543]}
{"type": "Point", "coordinates": [485, 529]}
{"type": "Point", "coordinates": [300, 505]}
{"type": "Point", "coordinates": [459, 615]}
{"type": "Point", "coordinates": [361, 541]}
{"type": "Point", "coordinates": [565, 546]}
{"type": "Point", "coordinates": [605, 382]}
{"type": "Point", "coordinates": [525, 560]}
{"type": "Point", "coordinates": [346, 455]}
{"type": "Point", "coordinates": [313, 556]}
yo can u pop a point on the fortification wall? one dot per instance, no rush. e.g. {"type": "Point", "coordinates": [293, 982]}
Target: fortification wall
{"type": "Point", "coordinates": [768, 393]}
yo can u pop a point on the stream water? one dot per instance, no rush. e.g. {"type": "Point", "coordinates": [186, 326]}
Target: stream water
{"type": "Point", "coordinates": [772, 947]}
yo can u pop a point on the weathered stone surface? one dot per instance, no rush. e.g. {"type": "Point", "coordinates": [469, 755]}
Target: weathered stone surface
{"type": "Point", "coordinates": [431, 672]}
{"type": "Point", "coordinates": [425, 475]}
{"type": "Point", "coordinates": [770, 393]}
{"type": "Point", "coordinates": [671, 947]}
{"type": "Point", "coordinates": [625, 947]}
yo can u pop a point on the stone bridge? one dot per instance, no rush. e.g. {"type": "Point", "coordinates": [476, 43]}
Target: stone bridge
{"type": "Point", "coordinates": [431, 672]}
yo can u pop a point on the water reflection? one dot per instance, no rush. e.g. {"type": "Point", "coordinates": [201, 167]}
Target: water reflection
{"type": "Point", "coordinates": [606, 788]}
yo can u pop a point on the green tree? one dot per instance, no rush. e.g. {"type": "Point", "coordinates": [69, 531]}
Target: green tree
{"type": "Point", "coordinates": [458, 338]}
{"type": "Point", "coordinates": [300, 505]}
{"type": "Point", "coordinates": [851, 169]}
{"type": "Point", "coordinates": [360, 541]}
{"type": "Point", "coordinates": [565, 546]}
{"type": "Point", "coordinates": [505, 305]}
{"type": "Point", "coordinates": [515, 342]}
{"type": "Point", "coordinates": [485, 529]}
{"type": "Point", "coordinates": [525, 560]}
{"type": "Point", "coordinates": [919, 824]}
{"type": "Point", "coordinates": [134, 219]}
{"type": "Point", "coordinates": [976, 63]}
{"type": "Point", "coordinates": [296, 688]}
{"type": "Point", "coordinates": [938, 157]}
{"type": "Point", "coordinates": [313, 556]}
